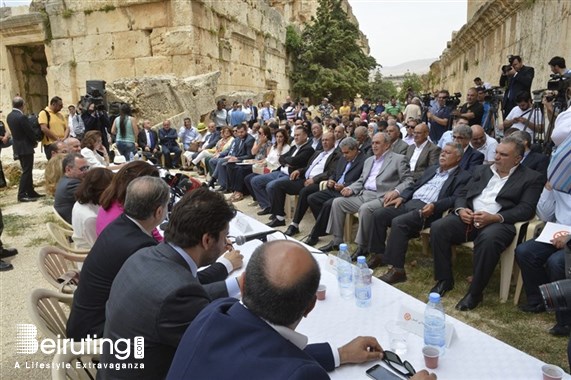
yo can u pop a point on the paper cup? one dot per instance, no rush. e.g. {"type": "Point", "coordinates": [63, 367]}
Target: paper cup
{"type": "Point", "coordinates": [431, 355]}
{"type": "Point", "coordinates": [321, 289]}
{"type": "Point", "coordinates": [551, 372]}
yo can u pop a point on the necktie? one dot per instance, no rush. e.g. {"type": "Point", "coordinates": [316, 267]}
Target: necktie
{"type": "Point", "coordinates": [314, 164]}
{"type": "Point", "coordinates": [342, 179]}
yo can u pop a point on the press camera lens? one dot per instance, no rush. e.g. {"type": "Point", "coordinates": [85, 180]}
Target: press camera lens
{"type": "Point", "coordinates": [557, 295]}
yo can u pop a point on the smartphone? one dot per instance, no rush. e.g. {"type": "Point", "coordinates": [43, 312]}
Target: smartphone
{"type": "Point", "coordinates": [379, 372]}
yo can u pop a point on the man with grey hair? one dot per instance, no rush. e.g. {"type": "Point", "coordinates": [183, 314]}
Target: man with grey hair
{"type": "Point", "coordinates": [317, 132]}
{"type": "Point", "coordinates": [146, 206]}
{"type": "Point", "coordinates": [430, 196]}
{"type": "Point", "coordinates": [365, 142]}
{"type": "Point", "coordinates": [398, 145]}
{"type": "Point", "coordinates": [533, 160]}
{"type": "Point", "coordinates": [385, 175]}
{"type": "Point", "coordinates": [462, 134]}
{"type": "Point", "coordinates": [73, 145]}
{"type": "Point", "coordinates": [496, 197]}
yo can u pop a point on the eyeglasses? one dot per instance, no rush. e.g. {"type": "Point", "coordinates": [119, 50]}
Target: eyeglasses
{"type": "Point", "coordinates": [410, 126]}
{"type": "Point", "coordinates": [84, 168]}
{"type": "Point", "coordinates": [456, 137]}
{"type": "Point", "coordinates": [391, 358]}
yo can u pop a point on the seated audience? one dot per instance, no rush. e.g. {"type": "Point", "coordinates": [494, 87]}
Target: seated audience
{"type": "Point", "coordinates": [462, 134]}
{"type": "Point", "coordinates": [148, 142]}
{"type": "Point", "coordinates": [496, 197]}
{"type": "Point", "coordinates": [54, 170]}
{"type": "Point", "coordinates": [84, 212]}
{"type": "Point", "coordinates": [158, 291]}
{"type": "Point", "coordinates": [74, 167]}
{"type": "Point", "coordinates": [483, 143]}
{"type": "Point", "coordinates": [223, 144]}
{"type": "Point", "coordinates": [422, 153]}
{"type": "Point", "coordinates": [94, 151]}
{"type": "Point", "coordinates": [169, 144]}
{"type": "Point", "coordinates": [113, 197]}
{"type": "Point", "coordinates": [73, 145]}
{"type": "Point", "coordinates": [533, 160]}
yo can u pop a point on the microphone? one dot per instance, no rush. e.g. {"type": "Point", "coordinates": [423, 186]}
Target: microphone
{"type": "Point", "coordinates": [257, 236]}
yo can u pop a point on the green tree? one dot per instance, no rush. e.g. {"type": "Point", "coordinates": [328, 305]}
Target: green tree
{"type": "Point", "coordinates": [328, 61]}
{"type": "Point", "coordinates": [410, 81]}
{"type": "Point", "coordinates": [380, 88]}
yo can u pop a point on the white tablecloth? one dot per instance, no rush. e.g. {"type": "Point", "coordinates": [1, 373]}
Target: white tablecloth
{"type": "Point", "coordinates": [472, 354]}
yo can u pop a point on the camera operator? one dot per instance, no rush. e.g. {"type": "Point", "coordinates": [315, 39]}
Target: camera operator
{"type": "Point", "coordinates": [557, 65]}
{"type": "Point", "coordinates": [95, 119]}
{"type": "Point", "coordinates": [519, 78]}
{"type": "Point", "coordinates": [523, 116]}
{"type": "Point", "coordinates": [472, 109]}
{"type": "Point", "coordinates": [541, 263]}
{"type": "Point", "coordinates": [439, 116]}
{"type": "Point", "coordinates": [487, 119]}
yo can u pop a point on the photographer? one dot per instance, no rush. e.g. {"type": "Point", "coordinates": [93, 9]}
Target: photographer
{"type": "Point", "coordinates": [472, 109]}
{"type": "Point", "coordinates": [519, 78]}
{"type": "Point", "coordinates": [439, 116]}
{"type": "Point", "coordinates": [95, 119]}
{"type": "Point", "coordinates": [541, 263]}
{"type": "Point", "coordinates": [557, 65]}
{"type": "Point", "coordinates": [523, 116]}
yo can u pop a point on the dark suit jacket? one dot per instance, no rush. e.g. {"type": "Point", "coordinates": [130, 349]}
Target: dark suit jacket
{"type": "Point", "coordinates": [428, 157]}
{"type": "Point", "coordinates": [245, 153]}
{"type": "Point", "coordinates": [228, 341]}
{"type": "Point", "coordinates": [327, 170]}
{"type": "Point", "coordinates": [518, 196]}
{"type": "Point", "coordinates": [23, 137]}
{"type": "Point", "coordinates": [538, 162]}
{"type": "Point", "coordinates": [367, 147]}
{"type": "Point", "coordinates": [142, 139]}
{"type": "Point", "coordinates": [518, 83]}
{"type": "Point", "coordinates": [354, 171]}
{"type": "Point", "coordinates": [64, 197]}
{"type": "Point", "coordinates": [211, 140]}
{"type": "Point", "coordinates": [451, 188]}
{"type": "Point", "coordinates": [155, 295]}
{"type": "Point", "coordinates": [319, 144]}
{"type": "Point", "coordinates": [399, 146]}
{"type": "Point", "coordinates": [471, 158]}
{"type": "Point", "coordinates": [299, 160]}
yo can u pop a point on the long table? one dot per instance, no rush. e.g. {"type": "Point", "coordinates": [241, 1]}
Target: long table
{"type": "Point", "coordinates": [471, 355]}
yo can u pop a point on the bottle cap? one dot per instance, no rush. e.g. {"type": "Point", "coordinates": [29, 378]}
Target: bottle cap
{"type": "Point", "coordinates": [434, 297]}
{"type": "Point", "coordinates": [342, 247]}
{"type": "Point", "coordinates": [361, 259]}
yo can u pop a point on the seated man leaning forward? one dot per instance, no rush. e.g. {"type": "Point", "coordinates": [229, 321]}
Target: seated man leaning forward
{"type": "Point", "coordinates": [158, 292]}
{"type": "Point", "coordinates": [385, 175]}
{"type": "Point", "coordinates": [256, 338]}
{"type": "Point", "coordinates": [495, 198]}
{"type": "Point", "coordinates": [415, 209]}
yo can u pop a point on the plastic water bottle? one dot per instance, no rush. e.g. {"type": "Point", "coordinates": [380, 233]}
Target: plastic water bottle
{"type": "Point", "coordinates": [434, 323]}
{"type": "Point", "coordinates": [131, 156]}
{"type": "Point", "coordinates": [362, 283]}
{"type": "Point", "coordinates": [344, 272]}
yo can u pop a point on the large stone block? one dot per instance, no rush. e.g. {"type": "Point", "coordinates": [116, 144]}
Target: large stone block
{"type": "Point", "coordinates": [181, 12]}
{"type": "Point", "coordinates": [98, 22]}
{"type": "Point", "coordinates": [148, 66]}
{"type": "Point", "coordinates": [131, 44]}
{"type": "Point", "coordinates": [113, 69]}
{"type": "Point", "coordinates": [66, 27]}
{"type": "Point", "coordinates": [61, 51]}
{"type": "Point", "coordinates": [149, 16]}
{"type": "Point", "coordinates": [172, 41]}
{"type": "Point", "coordinates": [93, 47]}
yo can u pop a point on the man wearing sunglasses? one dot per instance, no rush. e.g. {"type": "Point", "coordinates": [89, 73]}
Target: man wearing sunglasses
{"type": "Point", "coordinates": [74, 167]}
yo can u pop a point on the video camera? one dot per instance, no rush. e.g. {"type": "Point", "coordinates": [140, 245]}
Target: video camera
{"type": "Point", "coordinates": [558, 83]}
{"type": "Point", "coordinates": [494, 94]}
{"type": "Point", "coordinates": [453, 100]}
{"type": "Point", "coordinates": [96, 94]}
{"type": "Point", "coordinates": [426, 99]}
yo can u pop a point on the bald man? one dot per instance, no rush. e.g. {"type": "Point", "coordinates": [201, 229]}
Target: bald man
{"type": "Point", "coordinates": [483, 143]}
{"type": "Point", "coordinates": [73, 145]}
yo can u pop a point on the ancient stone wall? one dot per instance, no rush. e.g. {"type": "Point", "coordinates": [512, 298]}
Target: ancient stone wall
{"type": "Point", "coordinates": [535, 30]}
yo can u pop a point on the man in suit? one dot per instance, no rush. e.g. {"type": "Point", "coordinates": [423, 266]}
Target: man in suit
{"type": "Point", "coordinates": [317, 133]}
{"type": "Point", "coordinates": [146, 206]}
{"type": "Point", "coordinates": [520, 78]}
{"type": "Point", "coordinates": [296, 158]}
{"type": "Point", "coordinates": [462, 134]}
{"type": "Point", "coordinates": [533, 160]}
{"type": "Point", "coordinates": [483, 143]}
{"type": "Point", "coordinates": [258, 335]}
{"type": "Point", "coordinates": [384, 176]}
{"type": "Point", "coordinates": [74, 168]}
{"type": "Point", "coordinates": [158, 292]}
{"type": "Point", "coordinates": [24, 143]}
{"type": "Point", "coordinates": [422, 153]}
{"type": "Point", "coordinates": [347, 171]}
{"type": "Point", "coordinates": [415, 208]}
{"type": "Point", "coordinates": [241, 149]}
{"type": "Point", "coordinates": [497, 197]}
{"type": "Point", "coordinates": [365, 142]}
{"type": "Point", "coordinates": [149, 142]}
{"type": "Point", "coordinates": [398, 146]}
{"type": "Point", "coordinates": [168, 140]}
{"type": "Point", "coordinates": [303, 182]}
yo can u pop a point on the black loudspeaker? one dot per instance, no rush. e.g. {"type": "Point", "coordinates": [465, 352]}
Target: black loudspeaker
{"type": "Point", "coordinates": [95, 88]}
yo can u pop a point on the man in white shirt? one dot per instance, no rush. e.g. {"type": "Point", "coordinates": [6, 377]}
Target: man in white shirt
{"type": "Point", "coordinates": [483, 143]}
{"type": "Point", "coordinates": [422, 153]}
{"type": "Point", "coordinates": [75, 123]}
{"type": "Point", "coordinates": [523, 116]}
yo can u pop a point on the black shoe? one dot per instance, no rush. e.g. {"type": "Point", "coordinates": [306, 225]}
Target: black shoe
{"type": "Point", "coordinates": [36, 195]}
{"type": "Point", "coordinates": [292, 230]}
{"type": "Point", "coordinates": [4, 266]}
{"type": "Point", "coordinates": [469, 302]}
{"type": "Point", "coordinates": [442, 287]}
{"type": "Point", "coordinates": [276, 223]}
{"type": "Point", "coordinates": [266, 211]}
{"type": "Point", "coordinates": [272, 217]}
{"type": "Point", "coordinates": [311, 240]}
{"type": "Point", "coordinates": [27, 199]}
{"type": "Point", "coordinates": [329, 247]}
{"type": "Point", "coordinates": [221, 189]}
{"type": "Point", "coordinates": [8, 252]}
{"type": "Point", "coordinates": [560, 330]}
{"type": "Point", "coordinates": [538, 308]}
{"type": "Point", "coordinates": [376, 260]}
{"type": "Point", "coordinates": [359, 252]}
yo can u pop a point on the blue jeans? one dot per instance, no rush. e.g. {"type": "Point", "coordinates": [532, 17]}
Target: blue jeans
{"type": "Point", "coordinates": [125, 148]}
{"type": "Point", "coordinates": [261, 183]}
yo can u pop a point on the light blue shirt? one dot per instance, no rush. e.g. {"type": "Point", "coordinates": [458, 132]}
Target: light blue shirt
{"type": "Point", "coordinates": [371, 182]}
{"type": "Point", "coordinates": [428, 193]}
